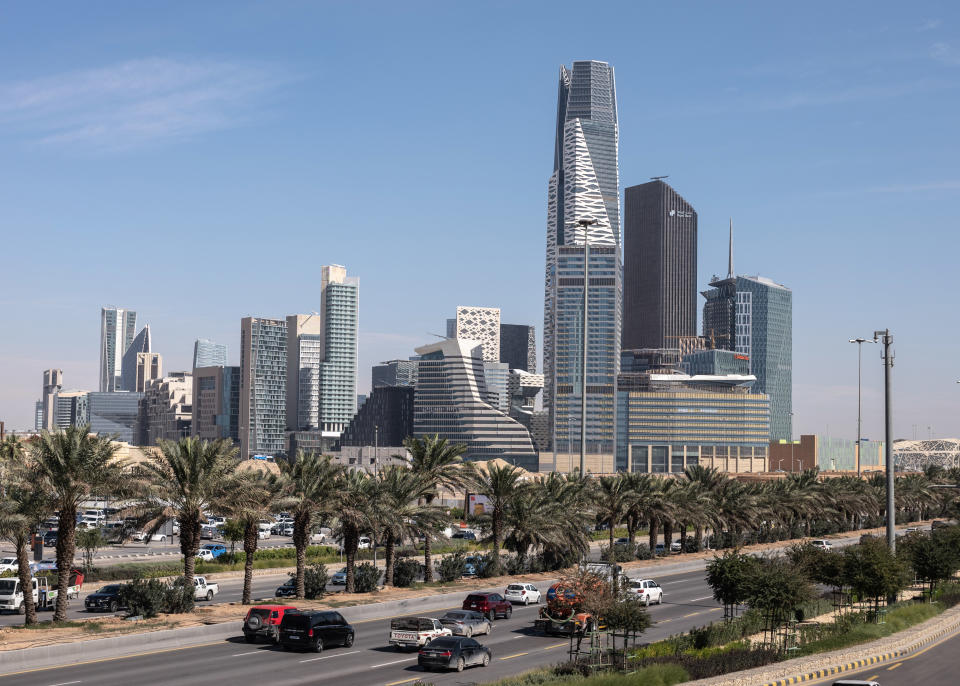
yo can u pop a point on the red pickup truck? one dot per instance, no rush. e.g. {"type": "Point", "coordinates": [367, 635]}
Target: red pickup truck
{"type": "Point", "coordinates": [490, 604]}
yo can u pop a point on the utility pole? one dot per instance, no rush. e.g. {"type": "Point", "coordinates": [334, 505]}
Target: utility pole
{"type": "Point", "coordinates": [586, 224]}
{"type": "Point", "coordinates": [376, 444]}
{"type": "Point", "coordinates": [887, 340]}
{"type": "Point", "coordinates": [859, 342]}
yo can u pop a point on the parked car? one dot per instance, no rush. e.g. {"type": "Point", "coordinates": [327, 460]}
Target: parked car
{"type": "Point", "coordinates": [939, 524]}
{"type": "Point", "coordinates": [263, 533]}
{"type": "Point", "coordinates": [645, 590]}
{"type": "Point", "coordinates": [489, 604]}
{"type": "Point", "coordinates": [8, 564]}
{"type": "Point", "coordinates": [465, 535]}
{"type": "Point", "coordinates": [659, 549]}
{"type": "Point", "coordinates": [216, 550]}
{"type": "Point", "coordinates": [287, 530]}
{"type": "Point", "coordinates": [821, 543]}
{"type": "Point", "coordinates": [287, 590]}
{"type": "Point", "coordinates": [315, 630]}
{"type": "Point", "coordinates": [208, 532]}
{"type": "Point", "coordinates": [466, 623]}
{"type": "Point", "coordinates": [415, 632]}
{"type": "Point", "coordinates": [522, 593]}
{"type": "Point", "coordinates": [106, 599]}
{"type": "Point", "coordinates": [142, 537]}
{"type": "Point", "coordinates": [264, 620]}
{"type": "Point", "coordinates": [205, 555]}
{"type": "Point", "coordinates": [364, 543]}
{"type": "Point", "coordinates": [676, 547]}
{"type": "Point", "coordinates": [50, 539]}
{"type": "Point", "coordinates": [622, 541]}
{"type": "Point", "coordinates": [203, 590]}
{"type": "Point", "coordinates": [339, 577]}
{"type": "Point", "coordinates": [453, 653]}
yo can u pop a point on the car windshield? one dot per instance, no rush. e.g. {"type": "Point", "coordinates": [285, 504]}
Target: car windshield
{"type": "Point", "coordinates": [113, 588]}
{"type": "Point", "coordinates": [8, 560]}
{"type": "Point", "coordinates": [290, 582]}
{"type": "Point", "coordinates": [456, 615]}
{"type": "Point", "coordinates": [7, 585]}
{"type": "Point", "coordinates": [514, 587]}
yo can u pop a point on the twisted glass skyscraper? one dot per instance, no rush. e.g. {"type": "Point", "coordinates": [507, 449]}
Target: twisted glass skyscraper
{"type": "Point", "coordinates": [584, 186]}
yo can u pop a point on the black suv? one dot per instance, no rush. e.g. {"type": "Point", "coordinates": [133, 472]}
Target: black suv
{"type": "Point", "coordinates": [50, 539]}
{"type": "Point", "coordinates": [314, 631]}
{"type": "Point", "coordinates": [106, 599]}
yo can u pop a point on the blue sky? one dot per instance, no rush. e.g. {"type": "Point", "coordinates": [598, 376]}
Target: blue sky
{"type": "Point", "coordinates": [198, 162]}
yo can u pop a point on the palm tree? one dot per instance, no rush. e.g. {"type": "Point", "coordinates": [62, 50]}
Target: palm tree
{"type": "Point", "coordinates": [309, 481]}
{"type": "Point", "coordinates": [611, 502]}
{"type": "Point", "coordinates": [71, 466]}
{"type": "Point", "coordinates": [11, 454]}
{"type": "Point", "coordinates": [254, 495]}
{"type": "Point", "coordinates": [23, 508]}
{"type": "Point", "coordinates": [439, 463]}
{"type": "Point", "coordinates": [399, 512]}
{"type": "Point", "coordinates": [183, 481]}
{"type": "Point", "coordinates": [659, 508]}
{"type": "Point", "coordinates": [536, 519]}
{"type": "Point", "coordinates": [499, 483]}
{"type": "Point", "coordinates": [352, 500]}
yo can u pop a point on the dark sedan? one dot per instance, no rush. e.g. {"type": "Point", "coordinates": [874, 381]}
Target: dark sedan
{"type": "Point", "coordinates": [453, 652]}
{"type": "Point", "coordinates": [315, 631]}
{"type": "Point", "coordinates": [107, 599]}
{"type": "Point", "coordinates": [50, 539]}
{"type": "Point", "coordinates": [287, 590]}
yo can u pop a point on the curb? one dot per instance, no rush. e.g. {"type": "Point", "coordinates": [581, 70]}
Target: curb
{"type": "Point", "coordinates": [855, 665]}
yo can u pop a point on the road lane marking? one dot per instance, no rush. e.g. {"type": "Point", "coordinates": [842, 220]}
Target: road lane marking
{"type": "Point", "coordinates": [249, 652]}
{"type": "Point", "coordinates": [395, 662]}
{"type": "Point", "coordinates": [871, 678]}
{"type": "Point", "coordinates": [405, 681]}
{"type": "Point", "coordinates": [111, 659]}
{"type": "Point", "coordinates": [327, 657]}
{"type": "Point", "coordinates": [692, 614]}
{"type": "Point", "coordinates": [64, 683]}
{"type": "Point", "coordinates": [706, 597]}
{"type": "Point", "coordinates": [556, 645]}
{"type": "Point", "coordinates": [510, 657]}
{"type": "Point", "coordinates": [892, 667]}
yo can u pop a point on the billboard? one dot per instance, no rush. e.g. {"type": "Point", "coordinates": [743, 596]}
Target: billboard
{"type": "Point", "coordinates": [477, 504]}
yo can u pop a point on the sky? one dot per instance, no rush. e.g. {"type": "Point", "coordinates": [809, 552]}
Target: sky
{"type": "Point", "coordinates": [199, 162]}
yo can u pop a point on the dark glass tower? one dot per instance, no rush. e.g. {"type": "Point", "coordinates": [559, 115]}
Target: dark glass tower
{"type": "Point", "coordinates": [518, 347]}
{"type": "Point", "coordinates": [584, 186]}
{"type": "Point", "coordinates": [659, 267]}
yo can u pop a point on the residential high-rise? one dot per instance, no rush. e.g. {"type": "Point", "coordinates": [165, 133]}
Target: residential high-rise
{"type": "Point", "coordinates": [52, 383]}
{"type": "Point", "coordinates": [450, 401]}
{"type": "Point", "coordinates": [518, 347]}
{"type": "Point", "coordinates": [394, 373]}
{"type": "Point", "coordinates": [263, 382]}
{"type": "Point", "coordinates": [584, 185]}
{"type": "Point", "coordinates": [114, 414]}
{"type": "Point", "coordinates": [38, 416]}
{"type": "Point", "coordinates": [304, 356]}
{"type": "Point", "coordinates": [659, 267]}
{"type": "Point", "coordinates": [497, 376]}
{"type": "Point", "coordinates": [130, 365]}
{"type": "Point", "coordinates": [478, 324]}
{"type": "Point", "coordinates": [166, 410]}
{"type": "Point", "coordinates": [71, 409]}
{"type": "Point", "coordinates": [117, 329]}
{"type": "Point", "coordinates": [340, 313]}
{"type": "Point", "coordinates": [216, 403]}
{"type": "Point", "coordinates": [206, 353]}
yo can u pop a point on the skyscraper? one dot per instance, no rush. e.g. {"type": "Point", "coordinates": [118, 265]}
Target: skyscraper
{"type": "Point", "coordinates": [206, 353]}
{"type": "Point", "coordinates": [38, 415]}
{"type": "Point", "coordinates": [216, 403]}
{"type": "Point", "coordinates": [117, 328]}
{"type": "Point", "coordinates": [128, 374]}
{"type": "Point", "coordinates": [518, 347]}
{"type": "Point", "coordinates": [149, 368]}
{"type": "Point", "coordinates": [340, 312]}
{"type": "Point", "coordinates": [584, 188]}
{"type": "Point", "coordinates": [394, 373]}
{"type": "Point", "coordinates": [52, 383]}
{"type": "Point", "coordinates": [71, 409]}
{"type": "Point", "coordinates": [114, 414]}
{"type": "Point", "coordinates": [263, 380]}
{"type": "Point", "coordinates": [304, 355]}
{"type": "Point", "coordinates": [659, 267]}
{"type": "Point", "coordinates": [478, 324]}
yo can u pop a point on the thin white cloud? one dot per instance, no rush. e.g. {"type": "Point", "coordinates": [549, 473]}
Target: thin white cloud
{"type": "Point", "coordinates": [135, 103]}
{"type": "Point", "coordinates": [946, 53]}
{"type": "Point", "coordinates": [930, 25]}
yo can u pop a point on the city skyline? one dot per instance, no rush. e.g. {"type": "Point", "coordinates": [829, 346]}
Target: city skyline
{"type": "Point", "coordinates": [726, 147]}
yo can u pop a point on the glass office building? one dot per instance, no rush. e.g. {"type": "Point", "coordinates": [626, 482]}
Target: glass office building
{"type": "Point", "coordinates": [206, 353]}
{"type": "Point", "coordinates": [263, 386]}
{"type": "Point", "coordinates": [340, 310]}
{"type": "Point", "coordinates": [117, 329]}
{"type": "Point", "coordinates": [216, 403]}
{"type": "Point", "coordinates": [128, 373]}
{"type": "Point", "coordinates": [114, 414]}
{"type": "Point", "coordinates": [584, 186]}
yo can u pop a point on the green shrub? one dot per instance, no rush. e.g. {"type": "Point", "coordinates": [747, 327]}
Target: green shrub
{"type": "Point", "coordinates": [621, 552]}
{"type": "Point", "coordinates": [366, 578]}
{"type": "Point", "coordinates": [484, 567]}
{"type": "Point", "coordinates": [405, 572]}
{"type": "Point", "coordinates": [180, 597]}
{"type": "Point", "coordinates": [315, 578]}
{"type": "Point", "coordinates": [452, 567]}
{"type": "Point", "coordinates": [144, 597]}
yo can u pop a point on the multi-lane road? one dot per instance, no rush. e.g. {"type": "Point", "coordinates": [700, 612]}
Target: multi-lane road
{"type": "Point", "coordinates": [516, 648]}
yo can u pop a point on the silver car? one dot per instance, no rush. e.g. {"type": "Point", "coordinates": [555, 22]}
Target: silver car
{"type": "Point", "coordinates": [466, 623]}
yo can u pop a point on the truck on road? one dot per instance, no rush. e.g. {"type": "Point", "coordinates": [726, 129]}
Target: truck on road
{"type": "Point", "coordinates": [565, 612]}
{"type": "Point", "coordinates": [415, 632]}
{"type": "Point", "coordinates": [44, 592]}
{"type": "Point", "coordinates": [204, 590]}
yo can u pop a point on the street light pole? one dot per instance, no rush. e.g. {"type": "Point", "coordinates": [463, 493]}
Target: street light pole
{"type": "Point", "coordinates": [376, 444]}
{"type": "Point", "coordinates": [887, 341]}
{"type": "Point", "coordinates": [585, 224]}
{"type": "Point", "coordinates": [859, 342]}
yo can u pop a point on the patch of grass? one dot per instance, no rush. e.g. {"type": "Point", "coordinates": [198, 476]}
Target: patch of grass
{"type": "Point", "coordinates": [654, 675]}
{"type": "Point", "coordinates": [48, 624]}
{"type": "Point", "coordinates": [92, 627]}
{"type": "Point", "coordinates": [897, 619]}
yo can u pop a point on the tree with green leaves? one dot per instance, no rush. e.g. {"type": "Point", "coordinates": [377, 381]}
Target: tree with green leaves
{"type": "Point", "coordinates": [774, 588]}
{"type": "Point", "coordinates": [233, 533]}
{"type": "Point", "coordinates": [254, 495]}
{"type": "Point", "coordinates": [184, 481]}
{"type": "Point", "coordinates": [72, 466]}
{"type": "Point", "coordinates": [90, 540]}
{"type": "Point", "coordinates": [872, 572]}
{"type": "Point", "coordinates": [440, 464]}
{"type": "Point", "coordinates": [500, 484]}
{"type": "Point", "coordinates": [728, 576]}
{"type": "Point", "coordinates": [399, 511]}
{"type": "Point", "coordinates": [353, 503]}
{"type": "Point", "coordinates": [22, 508]}
{"type": "Point", "coordinates": [611, 502]}
{"type": "Point", "coordinates": [309, 483]}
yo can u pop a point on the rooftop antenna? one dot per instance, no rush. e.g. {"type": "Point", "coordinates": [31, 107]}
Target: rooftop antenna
{"type": "Point", "coordinates": [659, 178]}
{"type": "Point", "coordinates": [730, 255]}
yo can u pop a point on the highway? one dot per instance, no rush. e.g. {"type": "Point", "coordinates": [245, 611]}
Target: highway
{"type": "Point", "coordinates": [935, 665]}
{"type": "Point", "coordinates": [687, 603]}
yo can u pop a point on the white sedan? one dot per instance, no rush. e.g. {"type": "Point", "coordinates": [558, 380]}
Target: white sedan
{"type": "Point", "coordinates": [646, 590]}
{"type": "Point", "coordinates": [142, 537]}
{"type": "Point", "coordinates": [522, 593]}
{"type": "Point", "coordinates": [205, 554]}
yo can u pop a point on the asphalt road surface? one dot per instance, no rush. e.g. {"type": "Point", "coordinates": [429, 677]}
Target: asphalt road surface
{"type": "Point", "coordinates": [687, 603]}
{"type": "Point", "coordinates": [935, 665]}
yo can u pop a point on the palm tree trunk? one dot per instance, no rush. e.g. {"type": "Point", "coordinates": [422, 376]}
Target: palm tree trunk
{"type": "Point", "coordinates": [497, 526]}
{"type": "Point", "coordinates": [350, 541]}
{"type": "Point", "coordinates": [251, 531]}
{"type": "Point", "coordinates": [667, 536]}
{"type": "Point", "coordinates": [388, 560]}
{"type": "Point", "coordinates": [66, 549]}
{"type": "Point", "coordinates": [189, 543]}
{"type": "Point", "coordinates": [652, 537]}
{"type": "Point", "coordinates": [683, 538]}
{"type": "Point", "coordinates": [631, 531]}
{"type": "Point", "coordinates": [427, 559]}
{"type": "Point", "coordinates": [611, 541]}
{"type": "Point", "coordinates": [300, 526]}
{"type": "Point", "coordinates": [23, 571]}
{"type": "Point", "coordinates": [698, 537]}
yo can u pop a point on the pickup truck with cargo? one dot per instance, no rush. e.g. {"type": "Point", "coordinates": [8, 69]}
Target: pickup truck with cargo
{"type": "Point", "coordinates": [415, 632]}
{"type": "Point", "coordinates": [203, 590]}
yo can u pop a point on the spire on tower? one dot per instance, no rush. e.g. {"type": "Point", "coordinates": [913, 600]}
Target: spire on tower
{"type": "Point", "coordinates": [730, 255]}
